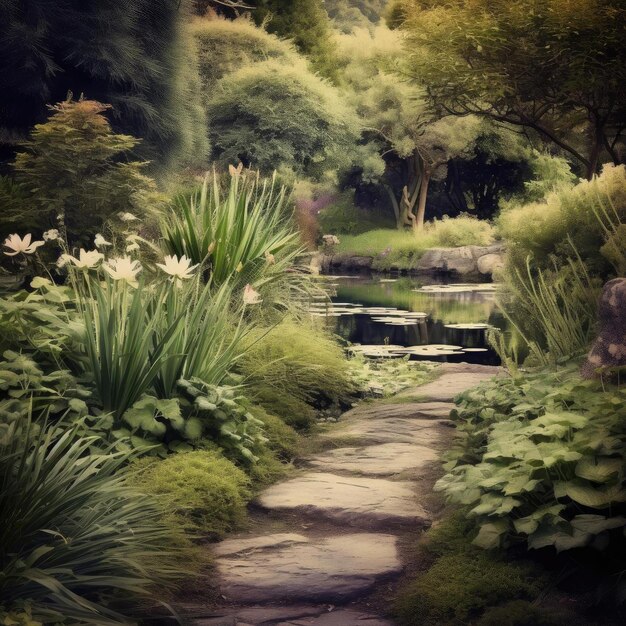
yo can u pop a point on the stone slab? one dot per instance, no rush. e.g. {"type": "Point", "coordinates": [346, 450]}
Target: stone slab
{"type": "Point", "coordinates": [383, 459]}
{"type": "Point", "coordinates": [448, 386]}
{"type": "Point", "coordinates": [407, 410]}
{"type": "Point", "coordinates": [318, 615]}
{"type": "Point", "coordinates": [434, 433]}
{"type": "Point", "coordinates": [332, 569]}
{"type": "Point", "coordinates": [357, 501]}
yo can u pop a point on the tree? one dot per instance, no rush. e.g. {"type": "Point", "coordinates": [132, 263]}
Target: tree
{"type": "Point", "coordinates": [235, 43]}
{"type": "Point", "coordinates": [71, 174]}
{"type": "Point", "coordinates": [278, 116]}
{"type": "Point", "coordinates": [403, 140]}
{"type": "Point", "coordinates": [133, 54]}
{"type": "Point", "coordinates": [555, 67]}
{"type": "Point", "coordinates": [305, 22]}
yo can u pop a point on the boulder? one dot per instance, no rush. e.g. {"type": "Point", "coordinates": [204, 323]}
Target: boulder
{"type": "Point", "coordinates": [609, 349]}
{"type": "Point", "coordinates": [463, 261]}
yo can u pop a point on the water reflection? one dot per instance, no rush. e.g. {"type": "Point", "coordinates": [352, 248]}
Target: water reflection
{"type": "Point", "coordinates": [446, 312]}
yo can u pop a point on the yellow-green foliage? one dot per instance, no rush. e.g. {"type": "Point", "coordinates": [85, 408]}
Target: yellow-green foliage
{"type": "Point", "coordinates": [201, 490]}
{"type": "Point", "coordinates": [462, 582]}
{"type": "Point", "coordinates": [282, 439]}
{"type": "Point", "coordinates": [403, 248]}
{"type": "Point", "coordinates": [294, 367]}
{"type": "Point", "coordinates": [544, 229]}
{"type": "Point", "coordinates": [235, 43]}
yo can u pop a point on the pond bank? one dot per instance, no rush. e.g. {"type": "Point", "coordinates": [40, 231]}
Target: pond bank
{"type": "Point", "coordinates": [337, 532]}
{"type": "Point", "coordinates": [476, 262]}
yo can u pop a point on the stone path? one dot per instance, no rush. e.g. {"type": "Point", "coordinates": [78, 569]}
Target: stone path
{"type": "Point", "coordinates": [352, 506]}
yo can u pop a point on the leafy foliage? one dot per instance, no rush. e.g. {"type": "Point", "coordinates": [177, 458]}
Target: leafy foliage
{"type": "Point", "coordinates": [137, 57]}
{"type": "Point", "coordinates": [242, 235]}
{"type": "Point", "coordinates": [474, 57]}
{"type": "Point", "coordinates": [73, 175]}
{"type": "Point", "coordinates": [306, 23]}
{"type": "Point", "coordinates": [75, 535]}
{"type": "Point", "coordinates": [461, 581]}
{"type": "Point", "coordinates": [542, 462]}
{"type": "Point", "coordinates": [311, 133]}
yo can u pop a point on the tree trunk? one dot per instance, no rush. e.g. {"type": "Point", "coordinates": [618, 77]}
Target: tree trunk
{"type": "Point", "coordinates": [418, 224]}
{"type": "Point", "coordinates": [394, 204]}
{"type": "Point", "coordinates": [594, 157]}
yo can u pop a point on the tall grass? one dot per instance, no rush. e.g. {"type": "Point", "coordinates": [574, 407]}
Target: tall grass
{"type": "Point", "coordinates": [559, 306]}
{"type": "Point", "coordinates": [243, 234]}
{"type": "Point", "coordinates": [74, 537]}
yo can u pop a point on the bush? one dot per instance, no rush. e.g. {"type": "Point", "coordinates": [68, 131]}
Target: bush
{"type": "Point", "coordinates": [569, 220]}
{"type": "Point", "coordinates": [293, 369]}
{"type": "Point", "coordinates": [343, 217]}
{"type": "Point", "coordinates": [542, 463]}
{"type": "Point", "coordinates": [311, 133]}
{"type": "Point", "coordinates": [462, 581]}
{"type": "Point", "coordinates": [76, 537]}
{"type": "Point", "coordinates": [101, 182]}
{"type": "Point", "coordinates": [201, 491]}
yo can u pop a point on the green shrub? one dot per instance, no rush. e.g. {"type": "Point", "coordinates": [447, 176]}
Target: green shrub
{"type": "Point", "coordinates": [542, 463]}
{"type": "Point", "coordinates": [293, 369]}
{"type": "Point", "coordinates": [343, 217]}
{"type": "Point", "coordinates": [567, 220]}
{"type": "Point", "coordinates": [461, 583]}
{"type": "Point", "coordinates": [75, 536]}
{"type": "Point", "coordinates": [243, 235]}
{"type": "Point", "coordinates": [281, 438]}
{"type": "Point", "coordinates": [101, 182]}
{"type": "Point", "coordinates": [201, 491]}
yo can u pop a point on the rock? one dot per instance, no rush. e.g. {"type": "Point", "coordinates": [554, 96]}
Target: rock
{"type": "Point", "coordinates": [332, 569]}
{"type": "Point", "coordinates": [345, 262]}
{"type": "Point", "coordinates": [245, 544]}
{"type": "Point", "coordinates": [319, 615]}
{"type": "Point", "coordinates": [449, 385]}
{"type": "Point", "coordinates": [423, 432]}
{"type": "Point", "coordinates": [462, 261]}
{"type": "Point", "coordinates": [380, 460]}
{"type": "Point", "coordinates": [609, 349]}
{"type": "Point", "coordinates": [488, 264]}
{"type": "Point", "coordinates": [362, 502]}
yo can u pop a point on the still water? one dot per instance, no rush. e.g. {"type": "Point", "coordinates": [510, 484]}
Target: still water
{"type": "Point", "coordinates": [379, 311]}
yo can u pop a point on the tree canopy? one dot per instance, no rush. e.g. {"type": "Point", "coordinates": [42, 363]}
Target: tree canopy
{"type": "Point", "coordinates": [277, 116]}
{"type": "Point", "coordinates": [555, 67]}
{"type": "Point", "coordinates": [133, 54]}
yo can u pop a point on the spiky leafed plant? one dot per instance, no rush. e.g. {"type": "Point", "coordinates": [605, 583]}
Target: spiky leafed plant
{"type": "Point", "coordinates": [243, 235]}
{"type": "Point", "coordinates": [75, 538]}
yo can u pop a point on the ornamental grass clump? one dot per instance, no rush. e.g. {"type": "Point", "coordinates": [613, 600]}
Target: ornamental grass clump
{"type": "Point", "coordinates": [77, 543]}
{"type": "Point", "coordinates": [243, 234]}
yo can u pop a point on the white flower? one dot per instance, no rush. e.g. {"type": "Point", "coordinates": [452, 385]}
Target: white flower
{"type": "Point", "coordinates": [270, 258]}
{"type": "Point", "coordinates": [123, 268]}
{"type": "Point", "coordinates": [127, 217]}
{"type": "Point", "coordinates": [331, 240]}
{"type": "Point", "coordinates": [250, 296]}
{"type": "Point", "coordinates": [85, 260]}
{"type": "Point", "coordinates": [51, 235]}
{"type": "Point", "coordinates": [177, 268]}
{"type": "Point", "coordinates": [17, 244]}
{"type": "Point", "coordinates": [100, 241]}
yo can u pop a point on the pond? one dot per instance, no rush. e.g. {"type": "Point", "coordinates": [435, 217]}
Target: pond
{"type": "Point", "coordinates": [425, 318]}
